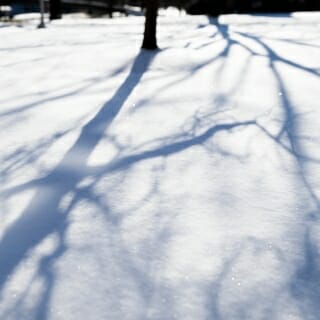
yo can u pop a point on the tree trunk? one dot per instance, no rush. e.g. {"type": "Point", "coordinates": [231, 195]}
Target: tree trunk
{"type": "Point", "coordinates": [55, 9]}
{"type": "Point", "coordinates": [150, 27]}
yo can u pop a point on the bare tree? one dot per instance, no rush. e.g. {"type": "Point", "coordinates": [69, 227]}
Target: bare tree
{"type": "Point", "coordinates": [150, 28]}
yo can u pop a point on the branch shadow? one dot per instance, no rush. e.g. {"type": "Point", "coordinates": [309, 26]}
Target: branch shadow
{"type": "Point", "coordinates": [44, 215]}
{"type": "Point", "coordinates": [303, 283]}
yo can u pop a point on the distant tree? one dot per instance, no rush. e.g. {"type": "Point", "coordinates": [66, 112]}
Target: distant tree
{"type": "Point", "coordinates": [110, 8]}
{"type": "Point", "coordinates": [150, 27]}
{"type": "Point", "coordinates": [55, 9]}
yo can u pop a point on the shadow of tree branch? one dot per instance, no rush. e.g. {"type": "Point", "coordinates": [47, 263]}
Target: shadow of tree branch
{"type": "Point", "coordinates": [44, 216]}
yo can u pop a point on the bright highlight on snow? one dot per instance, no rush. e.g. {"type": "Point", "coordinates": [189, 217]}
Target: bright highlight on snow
{"type": "Point", "coordinates": [177, 184]}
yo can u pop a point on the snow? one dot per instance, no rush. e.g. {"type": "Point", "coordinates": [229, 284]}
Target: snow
{"type": "Point", "coordinates": [176, 184]}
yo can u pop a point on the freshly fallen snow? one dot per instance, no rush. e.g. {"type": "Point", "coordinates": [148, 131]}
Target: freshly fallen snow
{"type": "Point", "coordinates": [177, 184]}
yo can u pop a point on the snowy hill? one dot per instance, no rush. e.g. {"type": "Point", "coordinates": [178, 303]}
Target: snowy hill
{"type": "Point", "coordinates": [177, 184]}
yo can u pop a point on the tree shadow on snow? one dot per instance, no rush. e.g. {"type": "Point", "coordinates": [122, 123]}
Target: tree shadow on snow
{"type": "Point", "coordinates": [45, 215]}
{"type": "Point", "coordinates": [303, 283]}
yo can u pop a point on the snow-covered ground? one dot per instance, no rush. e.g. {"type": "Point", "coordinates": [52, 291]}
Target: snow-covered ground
{"type": "Point", "coordinates": [177, 184]}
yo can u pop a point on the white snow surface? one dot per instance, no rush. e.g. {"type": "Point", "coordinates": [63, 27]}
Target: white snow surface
{"type": "Point", "coordinates": [177, 184]}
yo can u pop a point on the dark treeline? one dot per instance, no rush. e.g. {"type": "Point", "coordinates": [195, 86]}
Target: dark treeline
{"type": "Point", "coordinates": [216, 7]}
{"type": "Point", "coordinates": [210, 7]}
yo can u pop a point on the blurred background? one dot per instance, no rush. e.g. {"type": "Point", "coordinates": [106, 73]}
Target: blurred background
{"type": "Point", "coordinates": [125, 7]}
